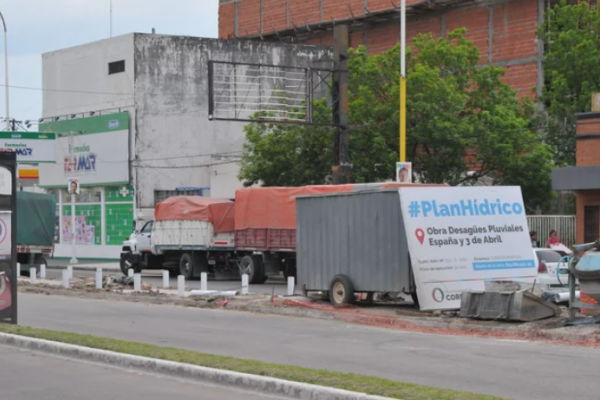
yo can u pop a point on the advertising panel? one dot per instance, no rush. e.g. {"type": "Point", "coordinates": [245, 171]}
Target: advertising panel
{"type": "Point", "coordinates": [8, 253]}
{"type": "Point", "coordinates": [94, 150]}
{"type": "Point", "coordinates": [31, 147]}
{"type": "Point", "coordinates": [459, 237]}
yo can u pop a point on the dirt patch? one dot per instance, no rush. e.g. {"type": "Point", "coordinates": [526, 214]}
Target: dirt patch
{"type": "Point", "coordinates": [389, 316]}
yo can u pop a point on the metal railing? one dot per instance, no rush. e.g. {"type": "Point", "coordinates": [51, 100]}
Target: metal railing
{"type": "Point", "coordinates": [563, 224]}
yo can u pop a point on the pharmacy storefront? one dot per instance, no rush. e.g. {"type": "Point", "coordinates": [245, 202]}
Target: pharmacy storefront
{"type": "Point", "coordinates": [95, 151]}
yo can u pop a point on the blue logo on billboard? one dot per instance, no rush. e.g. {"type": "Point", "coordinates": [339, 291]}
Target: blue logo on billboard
{"type": "Point", "coordinates": [114, 124]}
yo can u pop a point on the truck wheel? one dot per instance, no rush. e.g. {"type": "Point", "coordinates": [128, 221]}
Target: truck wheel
{"type": "Point", "coordinates": [252, 266]}
{"type": "Point", "coordinates": [185, 266]}
{"type": "Point", "coordinates": [341, 291]}
{"type": "Point", "coordinates": [126, 257]}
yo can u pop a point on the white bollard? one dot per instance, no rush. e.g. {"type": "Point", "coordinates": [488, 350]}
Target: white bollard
{"type": "Point", "coordinates": [245, 284]}
{"type": "Point", "coordinates": [18, 269]}
{"type": "Point", "coordinates": [290, 287]}
{"type": "Point", "coordinates": [32, 273]}
{"type": "Point", "coordinates": [137, 282]}
{"type": "Point", "coordinates": [203, 281]}
{"type": "Point", "coordinates": [98, 278]}
{"type": "Point", "coordinates": [165, 279]}
{"type": "Point", "coordinates": [130, 272]}
{"type": "Point", "coordinates": [65, 279]}
{"type": "Point", "coordinates": [181, 285]}
{"type": "Point", "coordinates": [70, 271]}
{"type": "Point", "coordinates": [43, 271]}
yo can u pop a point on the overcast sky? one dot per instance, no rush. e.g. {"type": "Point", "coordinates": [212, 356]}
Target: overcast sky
{"type": "Point", "coordinates": [39, 26]}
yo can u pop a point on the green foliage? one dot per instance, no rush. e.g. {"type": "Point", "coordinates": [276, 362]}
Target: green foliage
{"type": "Point", "coordinates": [571, 37]}
{"type": "Point", "coordinates": [464, 125]}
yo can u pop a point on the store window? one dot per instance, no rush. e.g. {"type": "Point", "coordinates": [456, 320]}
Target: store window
{"type": "Point", "coordinates": [120, 218]}
{"type": "Point", "coordinates": [88, 217]}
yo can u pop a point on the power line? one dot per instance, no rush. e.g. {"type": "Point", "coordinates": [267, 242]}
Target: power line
{"type": "Point", "coordinates": [66, 91]}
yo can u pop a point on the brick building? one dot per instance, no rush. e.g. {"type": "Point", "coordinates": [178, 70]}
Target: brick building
{"type": "Point", "coordinates": [503, 30]}
{"type": "Point", "coordinates": [584, 177]}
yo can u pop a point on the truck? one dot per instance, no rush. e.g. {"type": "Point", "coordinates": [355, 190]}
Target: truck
{"type": "Point", "coordinates": [257, 235]}
{"type": "Point", "coordinates": [36, 225]}
{"type": "Point", "coordinates": [189, 235]}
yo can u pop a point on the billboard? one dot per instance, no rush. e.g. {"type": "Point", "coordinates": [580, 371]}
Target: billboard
{"type": "Point", "coordinates": [8, 238]}
{"type": "Point", "coordinates": [97, 153]}
{"type": "Point", "coordinates": [31, 147]}
{"type": "Point", "coordinates": [460, 237]}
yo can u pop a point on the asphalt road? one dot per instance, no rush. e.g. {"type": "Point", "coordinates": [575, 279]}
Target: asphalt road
{"type": "Point", "coordinates": [154, 278]}
{"type": "Point", "coordinates": [27, 375]}
{"type": "Point", "coordinates": [510, 369]}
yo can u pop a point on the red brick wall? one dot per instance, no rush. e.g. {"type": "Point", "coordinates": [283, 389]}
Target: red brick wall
{"type": "Point", "coordinates": [513, 25]}
{"type": "Point", "coordinates": [588, 150]}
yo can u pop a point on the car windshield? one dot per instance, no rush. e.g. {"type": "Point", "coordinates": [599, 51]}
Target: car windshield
{"type": "Point", "coordinates": [549, 256]}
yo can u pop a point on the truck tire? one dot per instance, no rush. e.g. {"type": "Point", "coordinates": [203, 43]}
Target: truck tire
{"type": "Point", "coordinates": [186, 267]}
{"type": "Point", "coordinates": [341, 291]}
{"type": "Point", "coordinates": [252, 266]}
{"type": "Point", "coordinates": [124, 258]}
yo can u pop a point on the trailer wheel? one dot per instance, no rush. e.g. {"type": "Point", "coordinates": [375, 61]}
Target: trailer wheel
{"type": "Point", "coordinates": [185, 266]}
{"type": "Point", "coordinates": [252, 266]}
{"type": "Point", "coordinates": [341, 291]}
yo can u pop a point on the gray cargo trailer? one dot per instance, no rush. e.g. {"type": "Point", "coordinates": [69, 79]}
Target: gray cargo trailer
{"type": "Point", "coordinates": [352, 242]}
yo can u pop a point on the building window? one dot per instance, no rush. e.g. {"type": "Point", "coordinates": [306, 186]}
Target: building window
{"type": "Point", "coordinates": [116, 67]}
{"type": "Point", "coordinates": [591, 223]}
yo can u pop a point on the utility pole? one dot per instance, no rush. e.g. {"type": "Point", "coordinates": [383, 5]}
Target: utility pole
{"type": "Point", "coordinates": [402, 149]}
{"type": "Point", "coordinates": [342, 168]}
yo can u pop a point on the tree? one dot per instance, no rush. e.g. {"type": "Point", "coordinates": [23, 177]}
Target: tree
{"type": "Point", "coordinates": [571, 37]}
{"type": "Point", "coordinates": [464, 124]}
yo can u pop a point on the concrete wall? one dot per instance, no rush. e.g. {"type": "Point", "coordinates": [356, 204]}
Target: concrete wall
{"type": "Point", "coordinates": [83, 70]}
{"type": "Point", "coordinates": [503, 30]}
{"type": "Point", "coordinates": [176, 144]}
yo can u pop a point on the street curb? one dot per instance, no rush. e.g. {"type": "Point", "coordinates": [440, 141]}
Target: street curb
{"type": "Point", "coordinates": [255, 383]}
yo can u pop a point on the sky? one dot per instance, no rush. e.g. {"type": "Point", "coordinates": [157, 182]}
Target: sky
{"type": "Point", "coordinates": [40, 26]}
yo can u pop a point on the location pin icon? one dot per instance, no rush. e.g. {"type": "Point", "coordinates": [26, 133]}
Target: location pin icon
{"type": "Point", "coordinates": [420, 234]}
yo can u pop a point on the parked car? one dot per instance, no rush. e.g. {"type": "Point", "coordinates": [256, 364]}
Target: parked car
{"type": "Point", "coordinates": [549, 269]}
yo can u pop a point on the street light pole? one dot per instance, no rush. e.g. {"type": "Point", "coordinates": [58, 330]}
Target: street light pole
{"type": "Point", "coordinates": [402, 81]}
{"type": "Point", "coordinates": [6, 71]}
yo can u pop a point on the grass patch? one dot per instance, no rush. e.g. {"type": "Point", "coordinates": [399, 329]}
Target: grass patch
{"type": "Point", "coordinates": [354, 382]}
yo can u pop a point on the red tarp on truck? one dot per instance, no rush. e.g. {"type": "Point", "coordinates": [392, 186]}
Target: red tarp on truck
{"type": "Point", "coordinates": [219, 212]}
{"type": "Point", "coordinates": [274, 207]}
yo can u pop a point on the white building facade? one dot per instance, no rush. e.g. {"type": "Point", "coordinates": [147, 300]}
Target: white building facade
{"type": "Point", "coordinates": [131, 114]}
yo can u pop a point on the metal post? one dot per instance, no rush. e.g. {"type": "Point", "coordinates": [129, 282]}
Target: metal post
{"type": "Point", "coordinates": [342, 168]}
{"type": "Point", "coordinates": [572, 298]}
{"type": "Point", "coordinates": [245, 284]}
{"type": "Point", "coordinates": [73, 228]}
{"type": "Point", "coordinates": [6, 72]}
{"type": "Point", "coordinates": [402, 121]}
{"type": "Point", "coordinates": [98, 278]}
{"type": "Point", "coordinates": [203, 281]}
{"type": "Point", "coordinates": [165, 279]}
